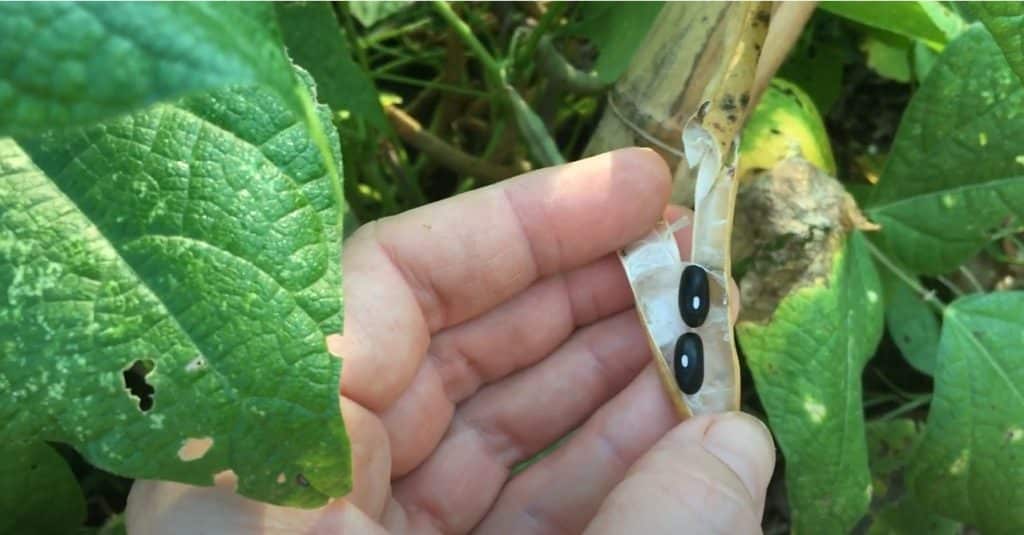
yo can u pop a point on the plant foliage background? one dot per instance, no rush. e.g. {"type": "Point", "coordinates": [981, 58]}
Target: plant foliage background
{"type": "Point", "coordinates": [165, 164]}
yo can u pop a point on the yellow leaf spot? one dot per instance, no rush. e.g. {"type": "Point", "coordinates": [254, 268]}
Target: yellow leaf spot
{"type": "Point", "coordinates": [872, 296]}
{"type": "Point", "coordinates": [1019, 159]}
{"type": "Point", "coordinates": [815, 410]}
{"type": "Point", "coordinates": [960, 464]}
{"type": "Point", "coordinates": [948, 201]}
{"type": "Point", "coordinates": [982, 139]}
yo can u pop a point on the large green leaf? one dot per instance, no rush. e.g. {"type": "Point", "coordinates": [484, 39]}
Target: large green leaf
{"type": "Point", "coordinates": [1005, 21]}
{"type": "Point", "coordinates": [196, 242]}
{"type": "Point", "coordinates": [315, 42]}
{"type": "Point", "coordinates": [969, 462]}
{"type": "Point", "coordinates": [617, 29]}
{"type": "Point", "coordinates": [912, 324]}
{"type": "Point", "coordinates": [38, 492]}
{"type": "Point", "coordinates": [928, 21]}
{"type": "Point", "coordinates": [807, 362]}
{"type": "Point", "coordinates": [956, 170]}
{"type": "Point", "coordinates": [67, 64]}
{"type": "Point", "coordinates": [890, 447]}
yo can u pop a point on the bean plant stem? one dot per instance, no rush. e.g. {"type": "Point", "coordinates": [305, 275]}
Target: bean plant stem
{"type": "Point", "coordinates": [387, 33]}
{"type": "Point", "coordinates": [957, 291]}
{"type": "Point", "coordinates": [491, 66]}
{"type": "Point", "coordinates": [555, 10]}
{"type": "Point", "coordinates": [428, 84]}
{"type": "Point", "coordinates": [969, 275]}
{"type": "Point", "coordinates": [927, 295]}
{"type": "Point", "coordinates": [906, 407]}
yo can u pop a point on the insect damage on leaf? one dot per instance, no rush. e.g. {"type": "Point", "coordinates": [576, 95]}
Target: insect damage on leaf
{"type": "Point", "coordinates": [168, 276]}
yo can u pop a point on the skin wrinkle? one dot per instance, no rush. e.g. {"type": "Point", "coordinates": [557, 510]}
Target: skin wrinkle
{"type": "Point", "coordinates": [524, 235]}
{"type": "Point", "coordinates": [431, 304]}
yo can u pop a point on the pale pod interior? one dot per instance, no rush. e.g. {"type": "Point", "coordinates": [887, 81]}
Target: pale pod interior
{"type": "Point", "coordinates": [654, 267]}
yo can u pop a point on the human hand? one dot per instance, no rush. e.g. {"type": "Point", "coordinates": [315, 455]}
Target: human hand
{"type": "Point", "coordinates": [479, 330]}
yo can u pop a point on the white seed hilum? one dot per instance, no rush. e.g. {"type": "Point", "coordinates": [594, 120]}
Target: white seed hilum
{"type": "Point", "coordinates": [654, 266]}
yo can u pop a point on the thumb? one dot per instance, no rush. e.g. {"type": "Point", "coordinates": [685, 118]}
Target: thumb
{"type": "Point", "coordinates": [707, 475]}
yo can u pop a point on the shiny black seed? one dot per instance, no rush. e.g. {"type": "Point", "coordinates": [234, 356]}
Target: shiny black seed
{"type": "Point", "coordinates": [693, 295]}
{"type": "Point", "coordinates": [688, 363]}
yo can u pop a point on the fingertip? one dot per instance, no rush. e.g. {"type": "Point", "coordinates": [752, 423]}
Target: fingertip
{"type": "Point", "coordinates": [743, 444]}
{"type": "Point", "coordinates": [643, 162]}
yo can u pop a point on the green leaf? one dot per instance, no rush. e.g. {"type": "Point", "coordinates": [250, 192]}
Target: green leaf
{"type": "Point", "coordinates": [1005, 21]}
{"type": "Point", "coordinates": [924, 59]}
{"type": "Point", "coordinates": [38, 492]}
{"type": "Point", "coordinates": [888, 54]}
{"type": "Point", "coordinates": [197, 244]}
{"type": "Point", "coordinates": [70, 64]}
{"type": "Point", "coordinates": [927, 21]}
{"type": "Point", "coordinates": [956, 170]}
{"type": "Point", "coordinates": [890, 447]}
{"type": "Point", "coordinates": [969, 462]}
{"type": "Point", "coordinates": [912, 324]}
{"type": "Point", "coordinates": [617, 29]}
{"type": "Point", "coordinates": [316, 42]}
{"type": "Point", "coordinates": [370, 13]}
{"type": "Point", "coordinates": [818, 70]}
{"type": "Point", "coordinates": [807, 362]}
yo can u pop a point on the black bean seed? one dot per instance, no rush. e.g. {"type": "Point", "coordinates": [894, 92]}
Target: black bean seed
{"type": "Point", "coordinates": [688, 363]}
{"type": "Point", "coordinates": [693, 295]}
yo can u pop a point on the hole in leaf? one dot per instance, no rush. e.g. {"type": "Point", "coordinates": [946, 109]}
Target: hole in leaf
{"type": "Point", "coordinates": [135, 382]}
{"type": "Point", "coordinates": [281, 478]}
{"type": "Point", "coordinates": [194, 448]}
{"type": "Point", "coordinates": [196, 364]}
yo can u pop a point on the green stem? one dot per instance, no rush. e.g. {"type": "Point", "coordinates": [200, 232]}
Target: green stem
{"type": "Point", "coordinates": [429, 84]}
{"type": "Point", "coordinates": [465, 33]}
{"type": "Point", "coordinates": [969, 275]}
{"type": "Point", "coordinates": [957, 291]}
{"type": "Point", "coordinates": [927, 295]}
{"type": "Point", "coordinates": [387, 33]}
{"type": "Point", "coordinates": [403, 61]}
{"type": "Point", "coordinates": [906, 407]}
{"type": "Point", "coordinates": [555, 10]}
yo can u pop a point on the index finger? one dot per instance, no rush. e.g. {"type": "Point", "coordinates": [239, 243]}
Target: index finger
{"type": "Point", "coordinates": [444, 263]}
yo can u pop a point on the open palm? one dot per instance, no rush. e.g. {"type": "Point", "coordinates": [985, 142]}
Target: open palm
{"type": "Point", "coordinates": [481, 329]}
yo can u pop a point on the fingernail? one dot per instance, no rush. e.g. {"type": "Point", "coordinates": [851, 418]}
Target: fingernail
{"type": "Point", "coordinates": [745, 445]}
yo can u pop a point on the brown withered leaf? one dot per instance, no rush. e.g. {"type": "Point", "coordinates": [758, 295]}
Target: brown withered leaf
{"type": "Point", "coordinates": [790, 223]}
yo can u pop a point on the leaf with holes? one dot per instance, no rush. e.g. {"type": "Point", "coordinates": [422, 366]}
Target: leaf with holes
{"type": "Point", "coordinates": [38, 492]}
{"type": "Point", "coordinates": [969, 462]}
{"type": "Point", "coordinates": [192, 247]}
{"type": "Point", "coordinates": [956, 171]}
{"type": "Point", "coordinates": [807, 361]}
{"type": "Point", "coordinates": [65, 64]}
